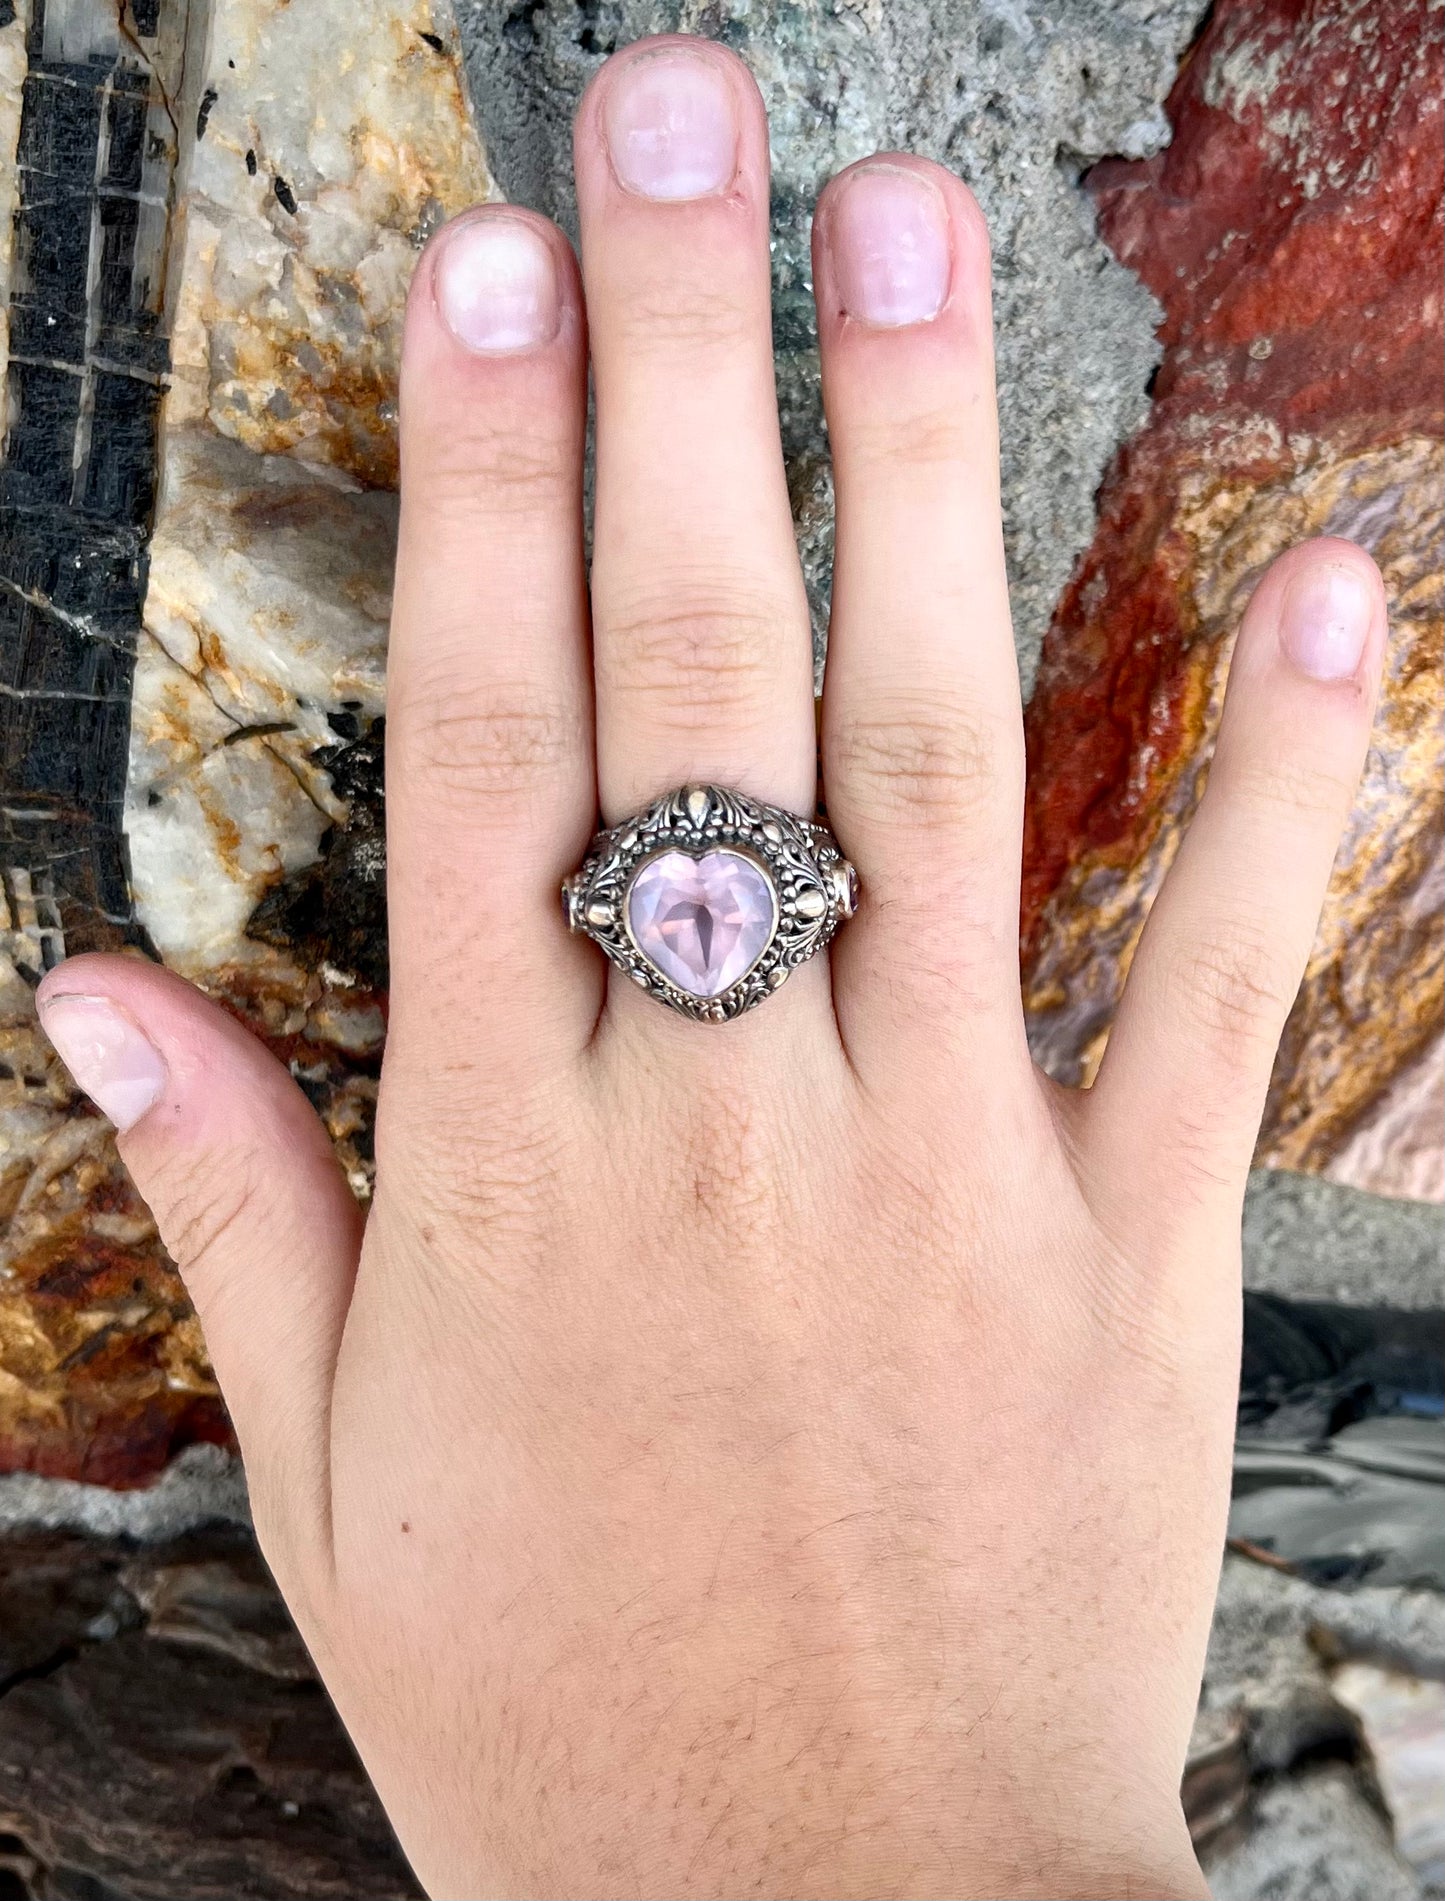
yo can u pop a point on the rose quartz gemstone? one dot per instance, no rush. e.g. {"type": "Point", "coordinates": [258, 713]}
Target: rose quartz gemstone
{"type": "Point", "coordinates": [704, 922]}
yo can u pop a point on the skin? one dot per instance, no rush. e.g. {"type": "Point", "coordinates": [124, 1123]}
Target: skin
{"type": "Point", "coordinates": [788, 1457]}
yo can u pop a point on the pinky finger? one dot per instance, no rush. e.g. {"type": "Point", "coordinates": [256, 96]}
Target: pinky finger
{"type": "Point", "coordinates": [1182, 1086]}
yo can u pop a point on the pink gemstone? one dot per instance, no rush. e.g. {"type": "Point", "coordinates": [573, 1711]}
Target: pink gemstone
{"type": "Point", "coordinates": [704, 922]}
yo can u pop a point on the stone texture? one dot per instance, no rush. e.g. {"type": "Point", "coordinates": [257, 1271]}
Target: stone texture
{"type": "Point", "coordinates": [1292, 232]}
{"type": "Point", "coordinates": [13, 66]}
{"type": "Point", "coordinates": [102, 1370]}
{"type": "Point", "coordinates": [329, 146]}
{"type": "Point", "coordinates": [1403, 1719]}
{"type": "Point", "coordinates": [164, 1738]}
{"type": "Point", "coordinates": [1312, 1239]}
{"type": "Point", "coordinates": [1016, 98]}
{"type": "Point", "coordinates": [1315, 1837]}
{"type": "Point", "coordinates": [203, 1485]}
{"type": "Point", "coordinates": [1315, 1822]}
{"type": "Point", "coordinates": [239, 833]}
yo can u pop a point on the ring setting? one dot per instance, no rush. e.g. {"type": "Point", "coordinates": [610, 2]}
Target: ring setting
{"type": "Point", "coordinates": [708, 900]}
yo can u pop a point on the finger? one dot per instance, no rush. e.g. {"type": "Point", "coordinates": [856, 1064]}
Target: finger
{"type": "Point", "coordinates": [490, 787]}
{"type": "Point", "coordinates": [922, 727]}
{"type": "Point", "coordinates": [1182, 1086]}
{"type": "Point", "coordinates": [700, 623]}
{"type": "Point", "coordinates": [249, 1200]}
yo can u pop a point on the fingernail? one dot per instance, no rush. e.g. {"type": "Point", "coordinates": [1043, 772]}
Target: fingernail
{"type": "Point", "coordinates": [671, 125]}
{"type": "Point", "coordinates": [117, 1067]}
{"type": "Point", "coordinates": [496, 285]}
{"type": "Point", "coordinates": [887, 231]}
{"type": "Point", "coordinates": [1325, 620]}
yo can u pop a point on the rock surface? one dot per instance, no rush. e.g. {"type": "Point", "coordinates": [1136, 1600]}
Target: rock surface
{"type": "Point", "coordinates": [1314, 1822]}
{"type": "Point", "coordinates": [163, 1736]}
{"type": "Point", "coordinates": [201, 779]}
{"type": "Point", "coordinates": [1312, 1239]}
{"type": "Point", "coordinates": [1292, 232]}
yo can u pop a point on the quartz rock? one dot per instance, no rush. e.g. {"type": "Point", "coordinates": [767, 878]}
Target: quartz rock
{"type": "Point", "coordinates": [1292, 233]}
{"type": "Point", "coordinates": [201, 777]}
{"type": "Point", "coordinates": [1404, 1723]}
{"type": "Point", "coordinates": [330, 143]}
{"type": "Point", "coordinates": [264, 642]}
{"type": "Point", "coordinates": [703, 922]}
{"type": "Point", "coordinates": [13, 66]}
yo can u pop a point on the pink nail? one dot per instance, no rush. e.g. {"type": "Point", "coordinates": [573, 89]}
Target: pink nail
{"type": "Point", "coordinates": [1325, 620]}
{"type": "Point", "coordinates": [887, 230]}
{"type": "Point", "coordinates": [118, 1068]}
{"type": "Point", "coordinates": [496, 285]}
{"type": "Point", "coordinates": [671, 125]}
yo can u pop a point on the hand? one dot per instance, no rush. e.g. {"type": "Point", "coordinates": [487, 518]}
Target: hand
{"type": "Point", "coordinates": [787, 1457]}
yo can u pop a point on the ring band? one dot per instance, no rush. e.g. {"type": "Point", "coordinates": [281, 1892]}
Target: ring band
{"type": "Point", "coordinates": [708, 899]}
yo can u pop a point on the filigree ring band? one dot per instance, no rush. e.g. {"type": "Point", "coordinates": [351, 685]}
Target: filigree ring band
{"type": "Point", "coordinates": [709, 899]}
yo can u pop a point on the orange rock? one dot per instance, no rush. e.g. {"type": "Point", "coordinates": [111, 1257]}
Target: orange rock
{"type": "Point", "coordinates": [1292, 233]}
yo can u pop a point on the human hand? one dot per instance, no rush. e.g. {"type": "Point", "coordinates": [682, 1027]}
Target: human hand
{"type": "Point", "coordinates": [789, 1456]}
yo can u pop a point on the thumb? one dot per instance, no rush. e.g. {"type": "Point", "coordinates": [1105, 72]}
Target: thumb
{"type": "Point", "coordinates": [249, 1200]}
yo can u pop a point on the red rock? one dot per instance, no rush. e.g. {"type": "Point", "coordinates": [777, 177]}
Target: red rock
{"type": "Point", "coordinates": [1292, 233]}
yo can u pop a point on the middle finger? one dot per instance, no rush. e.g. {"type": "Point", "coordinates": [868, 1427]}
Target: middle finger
{"type": "Point", "coordinates": [700, 622]}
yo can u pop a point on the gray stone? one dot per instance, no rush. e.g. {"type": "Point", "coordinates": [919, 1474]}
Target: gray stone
{"type": "Point", "coordinates": [1310, 1239]}
{"type": "Point", "coordinates": [1281, 1652]}
{"type": "Point", "coordinates": [1315, 1838]}
{"type": "Point", "coordinates": [1015, 96]}
{"type": "Point", "coordinates": [202, 1486]}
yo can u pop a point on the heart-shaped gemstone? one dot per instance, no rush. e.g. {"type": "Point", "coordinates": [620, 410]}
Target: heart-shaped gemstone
{"type": "Point", "coordinates": [703, 922]}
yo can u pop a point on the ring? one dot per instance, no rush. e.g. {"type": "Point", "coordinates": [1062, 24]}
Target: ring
{"type": "Point", "coordinates": [708, 899]}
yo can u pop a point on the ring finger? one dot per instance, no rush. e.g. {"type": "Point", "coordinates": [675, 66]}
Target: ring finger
{"type": "Point", "coordinates": [700, 623]}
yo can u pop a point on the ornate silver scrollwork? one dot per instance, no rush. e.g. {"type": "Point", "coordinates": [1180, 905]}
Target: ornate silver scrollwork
{"type": "Point", "coordinates": [813, 887]}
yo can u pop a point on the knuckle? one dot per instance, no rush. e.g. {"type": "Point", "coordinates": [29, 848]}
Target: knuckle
{"type": "Point", "coordinates": [1295, 788]}
{"type": "Point", "coordinates": [683, 317]}
{"type": "Point", "coordinates": [693, 658]}
{"type": "Point", "coordinates": [922, 762]}
{"type": "Point", "coordinates": [479, 466]}
{"type": "Point", "coordinates": [205, 1203]}
{"type": "Point", "coordinates": [487, 744]}
{"type": "Point", "coordinates": [921, 440]}
{"type": "Point", "coordinates": [1243, 986]}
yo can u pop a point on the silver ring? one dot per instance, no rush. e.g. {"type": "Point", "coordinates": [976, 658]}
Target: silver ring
{"type": "Point", "coordinates": [709, 899]}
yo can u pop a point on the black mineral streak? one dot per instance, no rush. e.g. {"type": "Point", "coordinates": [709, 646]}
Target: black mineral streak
{"type": "Point", "coordinates": [203, 111]}
{"type": "Point", "coordinates": [250, 164]}
{"type": "Point", "coordinates": [77, 490]}
{"type": "Point", "coordinates": [435, 42]}
{"type": "Point", "coordinates": [285, 196]}
{"type": "Point", "coordinates": [334, 910]}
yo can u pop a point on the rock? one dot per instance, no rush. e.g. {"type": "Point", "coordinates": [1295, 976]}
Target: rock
{"type": "Point", "coordinates": [330, 143]}
{"type": "Point", "coordinates": [163, 1736]}
{"type": "Point", "coordinates": [1216, 1788]}
{"type": "Point", "coordinates": [203, 1485]}
{"type": "Point", "coordinates": [1403, 1718]}
{"type": "Point", "coordinates": [1314, 1838]}
{"type": "Point", "coordinates": [1311, 1239]}
{"type": "Point", "coordinates": [1017, 99]}
{"type": "Point", "coordinates": [1315, 1821]}
{"type": "Point", "coordinates": [1292, 233]}
{"type": "Point", "coordinates": [175, 776]}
